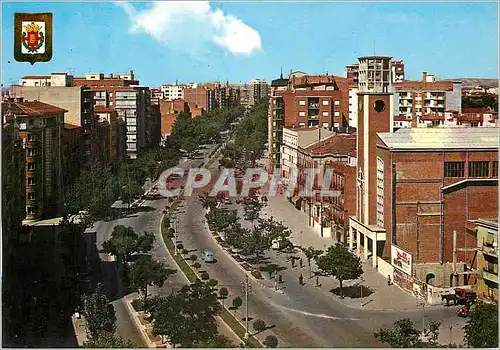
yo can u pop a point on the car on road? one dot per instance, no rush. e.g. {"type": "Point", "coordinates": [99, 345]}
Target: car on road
{"type": "Point", "coordinates": [208, 256]}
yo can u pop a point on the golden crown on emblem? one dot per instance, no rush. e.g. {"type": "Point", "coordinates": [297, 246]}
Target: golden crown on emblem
{"type": "Point", "coordinates": [32, 27]}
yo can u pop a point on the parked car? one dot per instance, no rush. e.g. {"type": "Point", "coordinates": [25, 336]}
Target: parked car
{"type": "Point", "coordinates": [208, 256]}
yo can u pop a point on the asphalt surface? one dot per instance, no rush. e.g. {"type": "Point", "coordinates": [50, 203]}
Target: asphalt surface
{"type": "Point", "coordinates": [302, 315]}
{"type": "Point", "coordinates": [145, 219]}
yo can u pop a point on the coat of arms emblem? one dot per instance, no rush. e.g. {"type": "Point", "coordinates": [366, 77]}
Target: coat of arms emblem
{"type": "Point", "coordinates": [33, 37]}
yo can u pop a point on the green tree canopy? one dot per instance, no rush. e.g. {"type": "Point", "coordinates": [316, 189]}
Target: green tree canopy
{"type": "Point", "coordinates": [146, 272]}
{"type": "Point", "coordinates": [481, 329]}
{"type": "Point", "coordinates": [107, 340]}
{"type": "Point", "coordinates": [405, 335]}
{"type": "Point", "coordinates": [99, 312]}
{"type": "Point", "coordinates": [341, 263]}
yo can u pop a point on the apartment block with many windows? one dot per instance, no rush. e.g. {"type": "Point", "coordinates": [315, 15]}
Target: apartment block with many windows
{"type": "Point", "coordinates": [41, 129]}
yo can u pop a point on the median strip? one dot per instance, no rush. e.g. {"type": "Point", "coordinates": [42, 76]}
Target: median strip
{"type": "Point", "coordinates": [225, 315]}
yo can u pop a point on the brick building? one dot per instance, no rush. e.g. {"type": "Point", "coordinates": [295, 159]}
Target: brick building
{"type": "Point", "coordinates": [41, 129]}
{"type": "Point", "coordinates": [170, 111]}
{"type": "Point", "coordinates": [320, 155]}
{"type": "Point", "coordinates": [425, 102]}
{"type": "Point", "coordinates": [305, 101]}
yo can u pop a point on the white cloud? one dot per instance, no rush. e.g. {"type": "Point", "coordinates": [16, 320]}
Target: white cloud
{"type": "Point", "coordinates": [191, 26]}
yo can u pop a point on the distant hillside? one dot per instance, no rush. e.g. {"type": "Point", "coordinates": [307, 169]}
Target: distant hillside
{"type": "Point", "coordinates": [471, 82]}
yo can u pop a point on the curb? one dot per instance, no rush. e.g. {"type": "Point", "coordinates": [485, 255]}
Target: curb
{"type": "Point", "coordinates": [233, 259]}
{"type": "Point", "coordinates": [195, 272]}
{"type": "Point", "coordinates": [138, 323]}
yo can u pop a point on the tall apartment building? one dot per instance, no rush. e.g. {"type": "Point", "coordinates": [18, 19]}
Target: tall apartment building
{"type": "Point", "coordinates": [258, 91]}
{"type": "Point", "coordinates": [305, 101]}
{"type": "Point", "coordinates": [244, 95]}
{"type": "Point", "coordinates": [376, 73]}
{"type": "Point", "coordinates": [425, 102]}
{"type": "Point", "coordinates": [132, 103]}
{"type": "Point", "coordinates": [173, 91]}
{"type": "Point", "coordinates": [76, 100]}
{"type": "Point", "coordinates": [41, 129]}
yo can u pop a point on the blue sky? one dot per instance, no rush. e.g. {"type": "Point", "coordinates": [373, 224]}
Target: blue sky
{"type": "Point", "coordinates": [239, 41]}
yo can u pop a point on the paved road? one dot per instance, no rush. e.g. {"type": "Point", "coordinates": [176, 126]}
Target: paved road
{"type": "Point", "coordinates": [303, 316]}
{"type": "Point", "coordinates": [147, 219]}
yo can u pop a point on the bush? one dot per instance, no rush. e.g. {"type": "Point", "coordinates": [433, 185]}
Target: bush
{"type": "Point", "coordinates": [223, 292]}
{"type": "Point", "coordinates": [170, 235]}
{"type": "Point", "coordinates": [197, 265]}
{"type": "Point", "coordinates": [204, 276]}
{"type": "Point", "coordinates": [259, 326]}
{"type": "Point", "coordinates": [172, 231]}
{"type": "Point", "coordinates": [193, 257]}
{"type": "Point", "coordinates": [257, 274]}
{"type": "Point", "coordinates": [213, 282]}
{"type": "Point", "coordinates": [180, 246]}
{"type": "Point", "coordinates": [185, 251]}
{"type": "Point", "coordinates": [138, 305]}
{"type": "Point", "coordinates": [237, 302]}
{"type": "Point", "coordinates": [271, 341]}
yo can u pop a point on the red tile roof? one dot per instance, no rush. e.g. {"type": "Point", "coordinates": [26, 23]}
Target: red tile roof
{"type": "Point", "coordinates": [480, 110]}
{"type": "Point", "coordinates": [30, 109]}
{"type": "Point", "coordinates": [308, 80]}
{"type": "Point", "coordinates": [401, 118]}
{"type": "Point", "coordinates": [432, 117]}
{"type": "Point", "coordinates": [441, 85]}
{"type": "Point", "coordinates": [102, 109]}
{"type": "Point", "coordinates": [36, 77]}
{"type": "Point", "coordinates": [70, 126]}
{"type": "Point", "coordinates": [334, 144]}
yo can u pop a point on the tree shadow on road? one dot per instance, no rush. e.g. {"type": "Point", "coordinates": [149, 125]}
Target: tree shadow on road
{"type": "Point", "coordinates": [353, 292]}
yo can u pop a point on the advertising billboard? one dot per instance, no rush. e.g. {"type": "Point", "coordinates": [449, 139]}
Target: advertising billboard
{"type": "Point", "coordinates": [401, 259]}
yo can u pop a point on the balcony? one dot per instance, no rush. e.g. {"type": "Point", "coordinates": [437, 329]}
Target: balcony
{"type": "Point", "coordinates": [490, 275]}
{"type": "Point", "coordinates": [489, 249]}
{"type": "Point", "coordinates": [313, 106]}
{"type": "Point", "coordinates": [313, 116]}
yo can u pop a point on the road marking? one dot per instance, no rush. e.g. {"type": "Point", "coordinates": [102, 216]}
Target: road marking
{"type": "Point", "coordinates": [316, 315]}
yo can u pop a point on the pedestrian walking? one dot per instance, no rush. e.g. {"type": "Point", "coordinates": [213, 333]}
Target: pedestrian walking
{"type": "Point", "coordinates": [317, 281]}
{"type": "Point", "coordinates": [280, 278]}
{"type": "Point", "coordinates": [293, 262]}
{"type": "Point", "coordinates": [301, 279]}
{"type": "Point", "coordinates": [301, 263]}
{"type": "Point", "coordinates": [276, 285]}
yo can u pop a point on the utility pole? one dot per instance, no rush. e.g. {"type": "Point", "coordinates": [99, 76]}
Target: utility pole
{"type": "Point", "coordinates": [175, 234]}
{"type": "Point", "coordinates": [247, 289]}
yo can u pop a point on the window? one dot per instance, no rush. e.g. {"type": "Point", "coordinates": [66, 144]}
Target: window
{"type": "Point", "coordinates": [454, 169]}
{"type": "Point", "coordinates": [325, 125]}
{"type": "Point", "coordinates": [31, 152]}
{"type": "Point", "coordinates": [30, 122]}
{"type": "Point", "coordinates": [336, 102]}
{"type": "Point", "coordinates": [36, 83]}
{"type": "Point", "coordinates": [31, 166]}
{"type": "Point", "coordinates": [325, 103]}
{"type": "Point", "coordinates": [479, 169]}
{"type": "Point", "coordinates": [379, 106]}
{"type": "Point", "coordinates": [31, 196]}
{"type": "Point", "coordinates": [29, 210]}
{"type": "Point", "coordinates": [337, 113]}
{"type": "Point", "coordinates": [380, 192]}
{"type": "Point", "coordinates": [302, 124]}
{"type": "Point", "coordinates": [302, 103]}
{"type": "Point", "coordinates": [31, 137]}
{"type": "Point", "coordinates": [302, 114]}
{"type": "Point", "coordinates": [494, 168]}
{"type": "Point", "coordinates": [325, 114]}
{"type": "Point", "coordinates": [31, 181]}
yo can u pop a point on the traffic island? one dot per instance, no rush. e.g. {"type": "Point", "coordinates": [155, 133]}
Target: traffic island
{"type": "Point", "coordinates": [192, 276]}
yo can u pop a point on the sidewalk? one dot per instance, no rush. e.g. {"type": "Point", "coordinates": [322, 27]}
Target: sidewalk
{"type": "Point", "coordinates": [375, 293]}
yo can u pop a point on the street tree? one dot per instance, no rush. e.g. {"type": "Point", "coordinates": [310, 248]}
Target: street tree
{"type": "Point", "coordinates": [107, 340]}
{"type": "Point", "coordinates": [311, 254]}
{"type": "Point", "coordinates": [338, 261]}
{"type": "Point", "coordinates": [99, 312]}
{"type": "Point", "coordinates": [237, 302]}
{"type": "Point", "coordinates": [271, 341]}
{"type": "Point", "coordinates": [194, 307]}
{"type": "Point", "coordinates": [223, 294]}
{"type": "Point", "coordinates": [124, 242]}
{"type": "Point", "coordinates": [405, 335]}
{"type": "Point", "coordinates": [147, 272]}
{"type": "Point", "coordinates": [216, 341]}
{"type": "Point", "coordinates": [207, 201]}
{"type": "Point", "coordinates": [259, 326]}
{"type": "Point", "coordinates": [481, 329]}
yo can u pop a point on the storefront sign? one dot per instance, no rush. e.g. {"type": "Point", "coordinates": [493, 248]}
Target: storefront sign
{"type": "Point", "coordinates": [401, 259]}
